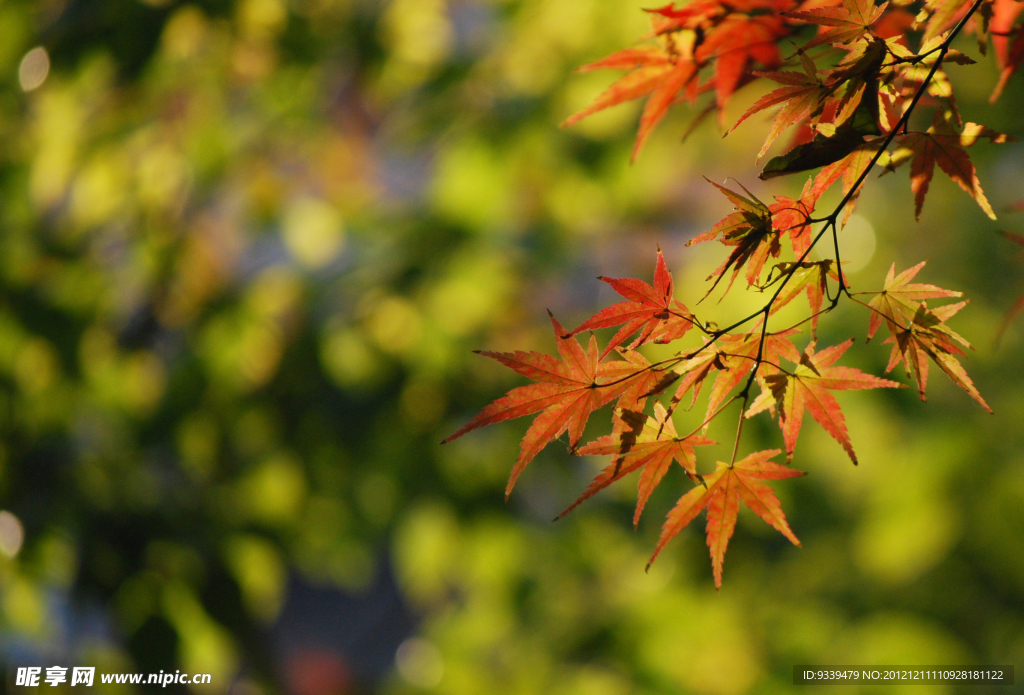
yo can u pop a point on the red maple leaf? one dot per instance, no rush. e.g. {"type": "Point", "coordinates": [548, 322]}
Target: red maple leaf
{"type": "Point", "coordinates": [895, 21]}
{"type": "Point", "coordinates": [739, 40]}
{"type": "Point", "coordinates": [1004, 16]}
{"type": "Point", "coordinates": [692, 15]}
{"type": "Point", "coordinates": [651, 310]}
{"type": "Point", "coordinates": [724, 489]}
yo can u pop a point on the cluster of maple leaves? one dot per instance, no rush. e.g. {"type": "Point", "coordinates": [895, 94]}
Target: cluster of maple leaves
{"type": "Point", "coordinates": [881, 62]}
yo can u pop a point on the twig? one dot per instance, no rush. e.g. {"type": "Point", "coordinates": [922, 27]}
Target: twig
{"type": "Point", "coordinates": [831, 222]}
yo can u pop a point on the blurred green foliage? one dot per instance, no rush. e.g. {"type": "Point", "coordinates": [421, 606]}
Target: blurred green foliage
{"type": "Point", "coordinates": [248, 248]}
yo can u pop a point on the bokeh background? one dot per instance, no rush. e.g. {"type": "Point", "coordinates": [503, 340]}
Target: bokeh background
{"type": "Point", "coordinates": [246, 251]}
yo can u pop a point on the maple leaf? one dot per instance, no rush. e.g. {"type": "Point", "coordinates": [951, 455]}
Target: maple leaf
{"type": "Point", "coordinates": [819, 152]}
{"type": "Point", "coordinates": [682, 76]}
{"type": "Point", "coordinates": [793, 217]}
{"type": "Point", "coordinates": [801, 96]}
{"type": "Point", "coordinates": [942, 145]}
{"type": "Point", "coordinates": [848, 22]}
{"type": "Point", "coordinates": [902, 79]}
{"type": "Point", "coordinates": [900, 299]}
{"type": "Point", "coordinates": [692, 15]}
{"type": "Point", "coordinates": [737, 41]}
{"type": "Point", "coordinates": [940, 16]}
{"type": "Point", "coordinates": [648, 442]}
{"type": "Point", "coordinates": [856, 75]}
{"type": "Point", "coordinates": [848, 169]}
{"type": "Point", "coordinates": [640, 82]}
{"type": "Point", "coordinates": [928, 336]}
{"type": "Point", "coordinates": [750, 231]}
{"type": "Point", "coordinates": [565, 395]}
{"type": "Point", "coordinates": [843, 118]}
{"type": "Point", "coordinates": [731, 38]}
{"type": "Point", "coordinates": [654, 72]}
{"type": "Point", "coordinates": [726, 487]}
{"type": "Point", "coordinates": [630, 58]}
{"type": "Point", "coordinates": [893, 23]}
{"type": "Point", "coordinates": [1004, 16]}
{"type": "Point", "coordinates": [1010, 64]}
{"type": "Point", "coordinates": [808, 387]}
{"type": "Point", "coordinates": [694, 371]}
{"type": "Point", "coordinates": [919, 333]}
{"type": "Point", "coordinates": [651, 310]}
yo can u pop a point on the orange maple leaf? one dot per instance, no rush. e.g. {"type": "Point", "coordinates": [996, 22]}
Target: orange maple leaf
{"type": "Point", "coordinates": [725, 488]}
{"type": "Point", "coordinates": [651, 310]}
{"type": "Point", "coordinates": [565, 395]}
{"type": "Point", "coordinates": [808, 387]}
{"type": "Point", "coordinates": [648, 442]}
{"type": "Point", "coordinates": [693, 37]}
{"type": "Point", "coordinates": [648, 67]}
{"type": "Point", "coordinates": [848, 169]}
{"type": "Point", "coordinates": [801, 96]}
{"type": "Point", "coordinates": [653, 71]}
{"type": "Point", "coordinates": [793, 217]}
{"type": "Point", "coordinates": [694, 370]}
{"type": "Point", "coordinates": [738, 354]}
{"type": "Point", "coordinates": [739, 40]}
{"type": "Point", "coordinates": [692, 15]}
